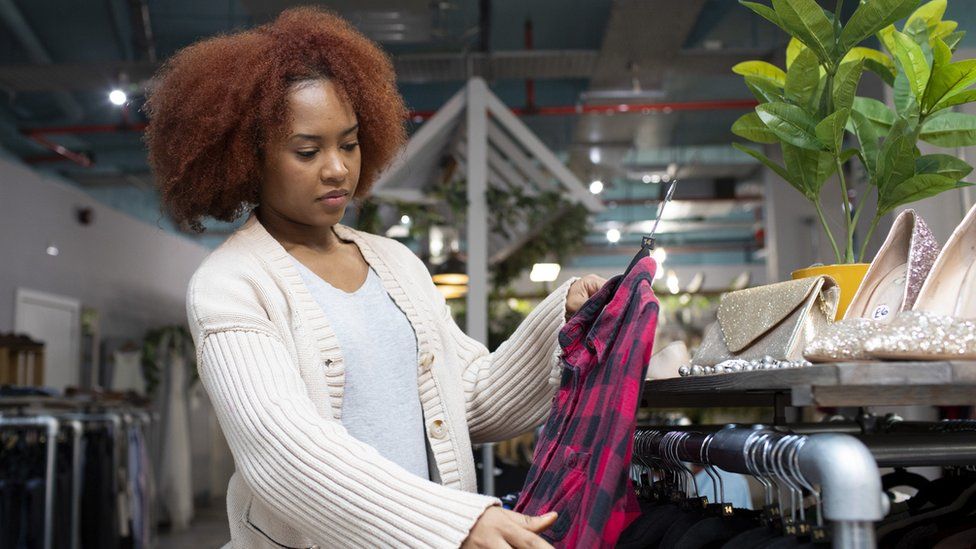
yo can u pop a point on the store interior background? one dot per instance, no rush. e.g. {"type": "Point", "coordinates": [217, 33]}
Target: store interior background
{"type": "Point", "coordinates": [130, 264]}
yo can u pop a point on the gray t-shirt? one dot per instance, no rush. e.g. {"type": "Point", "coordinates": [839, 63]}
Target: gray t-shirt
{"type": "Point", "coordinates": [381, 400]}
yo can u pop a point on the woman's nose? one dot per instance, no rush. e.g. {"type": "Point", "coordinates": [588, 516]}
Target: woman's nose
{"type": "Point", "coordinates": [334, 168]}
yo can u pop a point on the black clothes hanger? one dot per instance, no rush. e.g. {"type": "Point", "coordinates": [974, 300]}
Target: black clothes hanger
{"type": "Point", "coordinates": [901, 477]}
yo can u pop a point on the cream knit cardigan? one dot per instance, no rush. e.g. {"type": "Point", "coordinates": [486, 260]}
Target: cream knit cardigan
{"type": "Point", "coordinates": [274, 371]}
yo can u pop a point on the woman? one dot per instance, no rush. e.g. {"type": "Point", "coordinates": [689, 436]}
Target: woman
{"type": "Point", "coordinates": [346, 392]}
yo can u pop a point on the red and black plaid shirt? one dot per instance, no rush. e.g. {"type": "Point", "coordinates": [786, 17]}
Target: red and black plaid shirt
{"type": "Point", "coordinates": [581, 463]}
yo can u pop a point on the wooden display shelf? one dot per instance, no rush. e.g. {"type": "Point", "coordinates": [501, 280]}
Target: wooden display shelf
{"type": "Point", "coordinates": [833, 384]}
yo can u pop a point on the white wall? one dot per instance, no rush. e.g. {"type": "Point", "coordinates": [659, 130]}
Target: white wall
{"type": "Point", "coordinates": [134, 274]}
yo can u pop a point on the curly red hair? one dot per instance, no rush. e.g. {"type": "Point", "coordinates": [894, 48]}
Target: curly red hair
{"type": "Point", "coordinates": [215, 104]}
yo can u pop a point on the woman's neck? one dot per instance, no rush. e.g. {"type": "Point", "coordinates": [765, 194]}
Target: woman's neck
{"type": "Point", "coordinates": [292, 234]}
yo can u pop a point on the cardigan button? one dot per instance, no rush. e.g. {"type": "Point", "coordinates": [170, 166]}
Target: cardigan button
{"type": "Point", "coordinates": [427, 360]}
{"type": "Point", "coordinates": [437, 429]}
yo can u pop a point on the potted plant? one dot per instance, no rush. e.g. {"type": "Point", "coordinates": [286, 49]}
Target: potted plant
{"type": "Point", "coordinates": [810, 108]}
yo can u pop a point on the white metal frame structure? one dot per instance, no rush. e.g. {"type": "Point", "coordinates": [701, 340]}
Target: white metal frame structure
{"type": "Point", "coordinates": [496, 149]}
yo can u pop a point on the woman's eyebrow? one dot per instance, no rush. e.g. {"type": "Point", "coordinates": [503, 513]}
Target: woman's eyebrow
{"type": "Point", "coordinates": [313, 137]}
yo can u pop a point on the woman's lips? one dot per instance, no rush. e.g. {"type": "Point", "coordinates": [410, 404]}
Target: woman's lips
{"type": "Point", "coordinates": [334, 201]}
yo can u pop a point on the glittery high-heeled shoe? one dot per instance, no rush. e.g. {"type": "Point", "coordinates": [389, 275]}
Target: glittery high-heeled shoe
{"type": "Point", "coordinates": [942, 324]}
{"type": "Point", "coordinates": [891, 285]}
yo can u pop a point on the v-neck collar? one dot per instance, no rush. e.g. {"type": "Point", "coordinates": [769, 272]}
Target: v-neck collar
{"type": "Point", "coordinates": [311, 316]}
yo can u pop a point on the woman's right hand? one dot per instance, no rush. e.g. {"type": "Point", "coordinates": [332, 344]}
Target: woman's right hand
{"type": "Point", "coordinates": [499, 527]}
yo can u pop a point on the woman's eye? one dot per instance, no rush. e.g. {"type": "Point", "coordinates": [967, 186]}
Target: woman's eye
{"type": "Point", "coordinates": [306, 154]}
{"type": "Point", "coordinates": [350, 146]}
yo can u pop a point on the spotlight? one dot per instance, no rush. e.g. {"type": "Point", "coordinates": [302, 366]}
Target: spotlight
{"type": "Point", "coordinates": [405, 219]}
{"type": "Point", "coordinates": [596, 187]}
{"type": "Point", "coordinates": [646, 179]}
{"type": "Point", "coordinates": [117, 97]}
{"type": "Point", "coordinates": [613, 236]}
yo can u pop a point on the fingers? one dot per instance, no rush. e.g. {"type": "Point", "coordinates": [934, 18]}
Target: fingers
{"type": "Point", "coordinates": [541, 522]}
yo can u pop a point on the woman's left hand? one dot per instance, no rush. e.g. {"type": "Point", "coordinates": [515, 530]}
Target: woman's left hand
{"type": "Point", "coordinates": [581, 290]}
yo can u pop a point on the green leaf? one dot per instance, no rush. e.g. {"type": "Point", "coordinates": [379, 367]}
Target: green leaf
{"type": "Point", "coordinates": [896, 161]}
{"type": "Point", "coordinates": [847, 154]}
{"type": "Point", "coordinates": [952, 129]}
{"type": "Point", "coordinates": [930, 14]}
{"type": "Point", "coordinates": [806, 20]}
{"type": "Point", "coordinates": [913, 64]}
{"type": "Point", "coordinates": [763, 11]}
{"type": "Point", "coordinates": [761, 69]}
{"type": "Point", "coordinates": [916, 188]}
{"type": "Point", "coordinates": [943, 29]}
{"type": "Point", "coordinates": [830, 130]}
{"type": "Point", "coordinates": [875, 111]}
{"type": "Point", "coordinates": [942, 164]}
{"type": "Point", "coordinates": [811, 168]}
{"type": "Point", "coordinates": [867, 135]}
{"type": "Point", "coordinates": [870, 54]}
{"type": "Point", "coordinates": [887, 38]}
{"type": "Point", "coordinates": [793, 49]}
{"type": "Point", "coordinates": [845, 84]}
{"type": "Point", "coordinates": [905, 103]}
{"type": "Point", "coordinates": [959, 98]}
{"type": "Point", "coordinates": [941, 54]}
{"type": "Point", "coordinates": [803, 78]}
{"type": "Point", "coordinates": [872, 16]}
{"type": "Point", "coordinates": [764, 90]}
{"type": "Point", "coordinates": [948, 80]}
{"type": "Point", "coordinates": [751, 127]}
{"type": "Point", "coordinates": [780, 171]}
{"type": "Point", "coordinates": [790, 123]}
{"type": "Point", "coordinates": [952, 40]}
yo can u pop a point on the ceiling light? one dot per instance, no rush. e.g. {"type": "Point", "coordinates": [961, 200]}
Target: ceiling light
{"type": "Point", "coordinates": [596, 187]}
{"type": "Point", "coordinates": [666, 177]}
{"type": "Point", "coordinates": [544, 272]}
{"type": "Point", "coordinates": [452, 291]}
{"type": "Point", "coordinates": [405, 219]}
{"type": "Point", "coordinates": [660, 255]}
{"type": "Point", "coordinates": [613, 236]}
{"type": "Point", "coordinates": [52, 250]}
{"type": "Point", "coordinates": [646, 178]}
{"type": "Point", "coordinates": [452, 272]}
{"type": "Point", "coordinates": [117, 97]}
{"type": "Point", "coordinates": [595, 155]}
{"type": "Point", "coordinates": [672, 282]}
{"type": "Point", "coordinates": [656, 178]}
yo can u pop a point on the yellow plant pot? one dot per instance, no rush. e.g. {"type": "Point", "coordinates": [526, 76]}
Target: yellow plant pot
{"type": "Point", "coordinates": [848, 277]}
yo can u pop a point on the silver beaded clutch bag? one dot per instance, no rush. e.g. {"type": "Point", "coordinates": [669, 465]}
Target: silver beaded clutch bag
{"type": "Point", "coordinates": [775, 320]}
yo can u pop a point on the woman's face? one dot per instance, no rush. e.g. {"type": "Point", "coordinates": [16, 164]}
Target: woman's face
{"type": "Point", "coordinates": [310, 177]}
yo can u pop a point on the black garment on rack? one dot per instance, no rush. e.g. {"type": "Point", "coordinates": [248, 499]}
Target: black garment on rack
{"type": "Point", "coordinates": [99, 493]}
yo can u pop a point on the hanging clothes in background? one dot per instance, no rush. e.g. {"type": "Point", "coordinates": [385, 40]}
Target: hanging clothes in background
{"type": "Point", "coordinates": [581, 462]}
{"type": "Point", "coordinates": [175, 474]}
{"type": "Point", "coordinates": [127, 371]}
{"type": "Point", "coordinates": [140, 489]}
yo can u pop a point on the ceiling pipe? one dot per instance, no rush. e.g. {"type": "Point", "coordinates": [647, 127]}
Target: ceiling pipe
{"type": "Point", "coordinates": [78, 158]}
{"type": "Point", "coordinates": [623, 108]}
{"type": "Point", "coordinates": [563, 110]}
{"type": "Point", "coordinates": [529, 83]}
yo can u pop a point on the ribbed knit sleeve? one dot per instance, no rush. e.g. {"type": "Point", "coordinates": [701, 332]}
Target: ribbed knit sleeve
{"type": "Point", "coordinates": [509, 391]}
{"type": "Point", "coordinates": [309, 470]}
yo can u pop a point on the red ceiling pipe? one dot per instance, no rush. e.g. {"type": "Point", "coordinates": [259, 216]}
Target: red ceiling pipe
{"type": "Point", "coordinates": [622, 108]}
{"type": "Point", "coordinates": [78, 158]}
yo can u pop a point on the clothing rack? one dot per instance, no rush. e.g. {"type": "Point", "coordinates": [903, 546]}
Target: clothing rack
{"type": "Point", "coordinates": [843, 468]}
{"type": "Point", "coordinates": [50, 425]}
{"type": "Point", "coordinates": [75, 418]}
